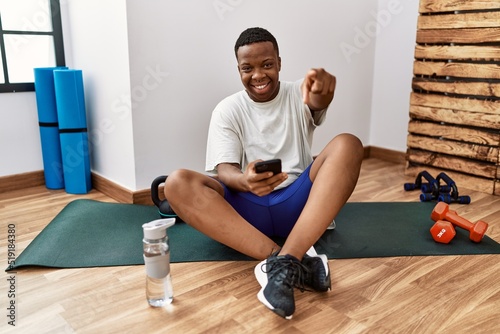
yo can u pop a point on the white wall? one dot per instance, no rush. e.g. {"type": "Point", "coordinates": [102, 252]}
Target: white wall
{"type": "Point", "coordinates": [98, 40]}
{"type": "Point", "coordinates": [194, 43]}
{"type": "Point", "coordinates": [393, 73]}
{"type": "Point", "coordinates": [20, 147]}
{"type": "Point", "coordinates": [154, 70]}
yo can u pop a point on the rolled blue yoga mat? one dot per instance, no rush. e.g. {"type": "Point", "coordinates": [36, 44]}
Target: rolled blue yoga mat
{"type": "Point", "coordinates": [52, 158]}
{"type": "Point", "coordinates": [70, 100]}
{"type": "Point", "coordinates": [49, 128]}
{"type": "Point", "coordinates": [75, 153]}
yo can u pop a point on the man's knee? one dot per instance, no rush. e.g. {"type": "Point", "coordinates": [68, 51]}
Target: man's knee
{"type": "Point", "coordinates": [177, 180]}
{"type": "Point", "coordinates": [349, 139]}
{"type": "Point", "coordinates": [185, 182]}
{"type": "Point", "coordinates": [350, 144]}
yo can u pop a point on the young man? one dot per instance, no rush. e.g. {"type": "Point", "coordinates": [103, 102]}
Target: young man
{"type": "Point", "coordinates": [243, 209]}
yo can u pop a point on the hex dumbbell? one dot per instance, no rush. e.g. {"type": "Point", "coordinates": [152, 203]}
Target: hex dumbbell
{"type": "Point", "coordinates": [443, 231]}
{"type": "Point", "coordinates": [442, 212]}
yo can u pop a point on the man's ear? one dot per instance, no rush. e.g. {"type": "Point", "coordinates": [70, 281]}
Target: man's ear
{"type": "Point", "coordinates": [279, 64]}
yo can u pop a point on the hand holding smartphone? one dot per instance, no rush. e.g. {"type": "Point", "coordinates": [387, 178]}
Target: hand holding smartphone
{"type": "Point", "coordinates": [273, 165]}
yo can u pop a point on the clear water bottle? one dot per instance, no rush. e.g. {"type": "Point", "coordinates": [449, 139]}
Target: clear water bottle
{"type": "Point", "coordinates": [159, 291]}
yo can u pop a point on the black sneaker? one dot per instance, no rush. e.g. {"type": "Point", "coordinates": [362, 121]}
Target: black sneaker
{"type": "Point", "coordinates": [278, 275]}
{"type": "Point", "coordinates": [318, 273]}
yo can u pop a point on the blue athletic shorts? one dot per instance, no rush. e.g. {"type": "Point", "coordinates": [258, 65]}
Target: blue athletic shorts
{"type": "Point", "coordinates": [274, 214]}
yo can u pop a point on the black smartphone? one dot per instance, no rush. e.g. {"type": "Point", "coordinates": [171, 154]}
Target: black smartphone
{"type": "Point", "coordinates": [273, 165]}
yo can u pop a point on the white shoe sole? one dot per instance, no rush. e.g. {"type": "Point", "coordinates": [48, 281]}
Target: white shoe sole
{"type": "Point", "coordinates": [332, 225]}
{"type": "Point", "coordinates": [262, 279]}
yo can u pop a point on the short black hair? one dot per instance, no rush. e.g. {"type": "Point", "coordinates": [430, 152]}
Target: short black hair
{"type": "Point", "coordinates": [255, 35]}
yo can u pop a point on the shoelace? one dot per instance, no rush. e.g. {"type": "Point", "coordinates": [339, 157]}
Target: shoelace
{"type": "Point", "coordinates": [299, 271]}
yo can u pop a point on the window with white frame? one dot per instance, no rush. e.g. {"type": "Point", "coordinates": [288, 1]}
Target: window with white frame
{"type": "Point", "coordinates": [30, 37]}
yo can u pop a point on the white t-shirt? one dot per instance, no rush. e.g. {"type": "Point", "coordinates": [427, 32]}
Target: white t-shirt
{"type": "Point", "coordinates": [242, 130]}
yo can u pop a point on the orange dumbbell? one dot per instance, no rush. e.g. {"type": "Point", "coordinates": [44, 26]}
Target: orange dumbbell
{"type": "Point", "coordinates": [443, 231]}
{"type": "Point", "coordinates": [442, 212]}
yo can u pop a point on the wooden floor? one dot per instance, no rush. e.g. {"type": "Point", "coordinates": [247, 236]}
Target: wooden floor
{"type": "Point", "coordinates": [434, 294]}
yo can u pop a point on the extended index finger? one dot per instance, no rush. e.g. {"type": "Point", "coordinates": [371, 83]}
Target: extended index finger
{"type": "Point", "coordinates": [309, 80]}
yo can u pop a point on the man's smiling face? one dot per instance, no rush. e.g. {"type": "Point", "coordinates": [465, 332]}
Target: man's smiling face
{"type": "Point", "coordinates": [259, 66]}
